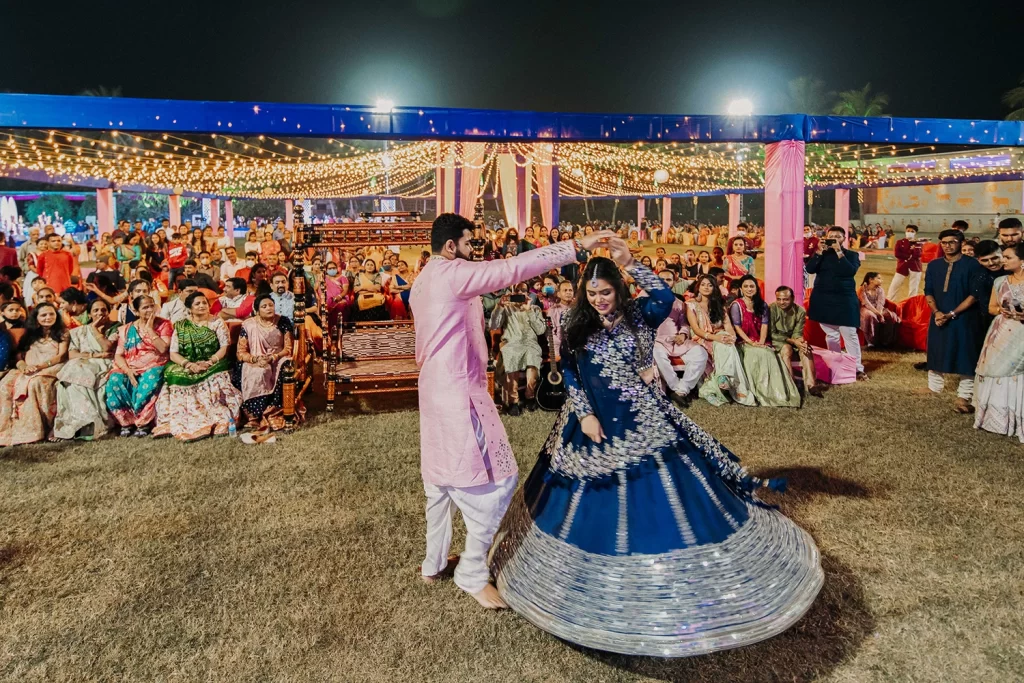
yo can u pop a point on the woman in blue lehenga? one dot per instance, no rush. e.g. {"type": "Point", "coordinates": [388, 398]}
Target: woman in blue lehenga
{"type": "Point", "coordinates": [637, 532]}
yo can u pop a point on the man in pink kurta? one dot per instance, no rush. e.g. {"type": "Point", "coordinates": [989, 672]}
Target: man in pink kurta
{"type": "Point", "coordinates": [465, 457]}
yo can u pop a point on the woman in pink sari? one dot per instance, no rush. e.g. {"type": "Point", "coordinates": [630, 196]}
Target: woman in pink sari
{"type": "Point", "coordinates": [336, 287]}
{"type": "Point", "coordinates": [138, 374]}
{"type": "Point", "coordinates": [264, 344]}
{"type": "Point", "coordinates": [28, 394]}
{"type": "Point", "coordinates": [737, 262]}
{"type": "Point", "coordinates": [877, 322]}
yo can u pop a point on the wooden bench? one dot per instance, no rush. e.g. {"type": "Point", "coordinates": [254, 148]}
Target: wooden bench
{"type": "Point", "coordinates": [371, 358]}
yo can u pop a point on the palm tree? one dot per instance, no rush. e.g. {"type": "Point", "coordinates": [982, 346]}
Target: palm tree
{"type": "Point", "coordinates": [807, 95]}
{"type": "Point", "coordinates": [861, 103]}
{"type": "Point", "coordinates": [1014, 99]}
{"type": "Point", "coordinates": [102, 91]}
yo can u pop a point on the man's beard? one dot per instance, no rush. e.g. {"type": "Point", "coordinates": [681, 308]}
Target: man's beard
{"type": "Point", "coordinates": [464, 257]}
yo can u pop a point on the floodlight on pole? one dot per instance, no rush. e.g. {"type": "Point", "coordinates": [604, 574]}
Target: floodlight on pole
{"type": "Point", "coordinates": [384, 106]}
{"type": "Point", "coordinates": [741, 107]}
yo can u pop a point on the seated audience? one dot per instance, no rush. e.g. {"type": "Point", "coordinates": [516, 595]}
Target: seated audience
{"type": "Point", "coordinates": [772, 385]}
{"type": "Point", "coordinates": [175, 309]}
{"type": "Point", "coordinates": [787, 321]}
{"type": "Point", "coordinates": [674, 343]}
{"type": "Point", "coordinates": [198, 399]}
{"type": "Point", "coordinates": [28, 394]}
{"type": "Point", "coordinates": [370, 301]}
{"type": "Point", "coordinates": [877, 323]}
{"type": "Point", "coordinates": [81, 383]}
{"type": "Point", "coordinates": [521, 323]}
{"type": "Point", "coordinates": [137, 374]}
{"type": "Point", "coordinates": [236, 303]}
{"type": "Point", "coordinates": [264, 344]}
{"type": "Point", "coordinates": [713, 330]}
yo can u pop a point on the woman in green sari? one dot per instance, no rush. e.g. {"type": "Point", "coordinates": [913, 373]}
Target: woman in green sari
{"type": "Point", "coordinates": [198, 399]}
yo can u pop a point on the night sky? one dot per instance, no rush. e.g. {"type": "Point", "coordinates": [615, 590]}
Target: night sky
{"type": "Point", "coordinates": [932, 58]}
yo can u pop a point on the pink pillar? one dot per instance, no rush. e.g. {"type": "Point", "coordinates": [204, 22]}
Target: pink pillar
{"type": "Point", "coordinates": [641, 208]}
{"type": "Point", "coordinates": [524, 194]}
{"type": "Point", "coordinates": [289, 219]}
{"type": "Point", "coordinates": [734, 212]}
{"type": "Point", "coordinates": [214, 213]}
{"type": "Point", "coordinates": [105, 210]}
{"type": "Point", "coordinates": [174, 209]}
{"type": "Point", "coordinates": [843, 209]}
{"type": "Point", "coordinates": [666, 218]}
{"type": "Point", "coordinates": [229, 219]}
{"type": "Point", "coordinates": [784, 217]}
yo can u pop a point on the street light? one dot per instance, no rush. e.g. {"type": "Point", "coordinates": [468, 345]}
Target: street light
{"type": "Point", "coordinates": [741, 107]}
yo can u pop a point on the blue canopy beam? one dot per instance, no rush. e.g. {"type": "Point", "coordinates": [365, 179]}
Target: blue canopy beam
{"type": "Point", "coordinates": [66, 112]}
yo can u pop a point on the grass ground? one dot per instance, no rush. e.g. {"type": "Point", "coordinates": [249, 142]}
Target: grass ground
{"type": "Point", "coordinates": [155, 561]}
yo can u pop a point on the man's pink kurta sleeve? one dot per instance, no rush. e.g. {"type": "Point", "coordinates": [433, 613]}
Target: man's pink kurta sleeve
{"type": "Point", "coordinates": [474, 278]}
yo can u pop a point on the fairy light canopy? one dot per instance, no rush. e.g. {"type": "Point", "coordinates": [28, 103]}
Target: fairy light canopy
{"type": "Point", "coordinates": [252, 150]}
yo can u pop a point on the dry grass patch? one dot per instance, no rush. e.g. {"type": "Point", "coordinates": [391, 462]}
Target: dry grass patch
{"type": "Point", "coordinates": [137, 560]}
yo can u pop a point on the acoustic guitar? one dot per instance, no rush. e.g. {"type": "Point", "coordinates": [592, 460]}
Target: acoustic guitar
{"type": "Point", "coordinates": [551, 393]}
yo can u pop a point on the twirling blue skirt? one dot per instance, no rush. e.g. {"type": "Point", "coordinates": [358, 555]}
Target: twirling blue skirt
{"type": "Point", "coordinates": [651, 543]}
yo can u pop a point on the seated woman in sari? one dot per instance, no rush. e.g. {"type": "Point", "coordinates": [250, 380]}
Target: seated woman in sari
{"type": "Point", "coordinates": [400, 285]}
{"type": "Point", "coordinates": [264, 344]}
{"type": "Point", "coordinates": [877, 322]}
{"type": "Point", "coordinates": [771, 384]}
{"type": "Point", "coordinates": [138, 372]}
{"type": "Point", "coordinates": [198, 399]}
{"type": "Point", "coordinates": [737, 262]}
{"type": "Point", "coordinates": [336, 291]}
{"type": "Point", "coordinates": [712, 328]}
{"type": "Point", "coordinates": [28, 394]}
{"type": "Point", "coordinates": [81, 383]}
{"type": "Point", "coordinates": [999, 385]}
{"type": "Point", "coordinates": [369, 294]}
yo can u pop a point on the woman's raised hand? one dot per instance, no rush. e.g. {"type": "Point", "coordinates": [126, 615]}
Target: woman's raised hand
{"type": "Point", "coordinates": [596, 239]}
{"type": "Point", "coordinates": [620, 251]}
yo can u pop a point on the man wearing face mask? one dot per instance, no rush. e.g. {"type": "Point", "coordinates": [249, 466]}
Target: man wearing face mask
{"type": "Point", "coordinates": [465, 457]}
{"type": "Point", "coordinates": [908, 263]}
{"type": "Point", "coordinates": [811, 242]}
{"type": "Point", "coordinates": [251, 259]}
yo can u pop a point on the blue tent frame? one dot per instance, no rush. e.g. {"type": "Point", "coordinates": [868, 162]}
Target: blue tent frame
{"type": "Point", "coordinates": [65, 112]}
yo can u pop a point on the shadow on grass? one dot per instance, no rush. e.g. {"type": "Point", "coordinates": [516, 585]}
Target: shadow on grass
{"type": "Point", "coordinates": [33, 453]}
{"type": "Point", "coordinates": [831, 631]}
{"type": "Point", "coordinates": [812, 481]}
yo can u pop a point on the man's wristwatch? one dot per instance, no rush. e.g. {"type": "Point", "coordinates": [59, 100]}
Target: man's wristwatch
{"type": "Point", "coordinates": [952, 315]}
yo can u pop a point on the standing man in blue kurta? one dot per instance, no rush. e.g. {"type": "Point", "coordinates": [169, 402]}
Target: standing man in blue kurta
{"type": "Point", "coordinates": [955, 333]}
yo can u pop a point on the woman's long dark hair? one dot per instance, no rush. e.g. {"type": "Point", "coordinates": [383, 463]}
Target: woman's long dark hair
{"type": "Point", "coordinates": [868, 278]}
{"type": "Point", "coordinates": [34, 331]}
{"type": "Point", "coordinates": [583, 320]}
{"type": "Point", "coordinates": [758, 300]}
{"type": "Point", "coordinates": [716, 306]}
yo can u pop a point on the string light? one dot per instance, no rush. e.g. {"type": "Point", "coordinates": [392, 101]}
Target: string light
{"type": "Point", "coordinates": [268, 167]}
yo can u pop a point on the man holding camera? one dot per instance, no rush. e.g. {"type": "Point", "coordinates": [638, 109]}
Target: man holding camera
{"type": "Point", "coordinates": [834, 304]}
{"type": "Point", "coordinates": [908, 263]}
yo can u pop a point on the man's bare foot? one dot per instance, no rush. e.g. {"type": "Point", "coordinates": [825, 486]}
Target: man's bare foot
{"type": "Point", "coordinates": [489, 598]}
{"type": "Point", "coordinates": [446, 573]}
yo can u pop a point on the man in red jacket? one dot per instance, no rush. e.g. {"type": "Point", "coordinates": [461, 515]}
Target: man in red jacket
{"type": "Point", "coordinates": [908, 264]}
{"type": "Point", "coordinates": [56, 264]}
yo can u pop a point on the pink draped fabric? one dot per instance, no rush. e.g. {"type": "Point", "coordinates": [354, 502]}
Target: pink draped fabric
{"type": "Point", "coordinates": [472, 167]}
{"type": "Point", "coordinates": [784, 216]}
{"type": "Point", "coordinates": [507, 184]}
{"type": "Point", "coordinates": [666, 217]}
{"type": "Point", "coordinates": [547, 188]}
{"type": "Point", "coordinates": [734, 212]}
{"type": "Point", "coordinates": [289, 214]}
{"type": "Point", "coordinates": [641, 209]}
{"type": "Point", "coordinates": [843, 209]}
